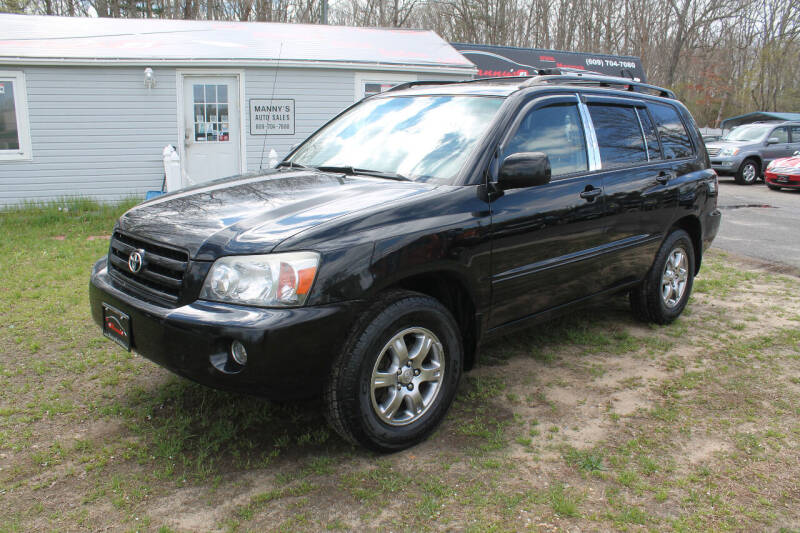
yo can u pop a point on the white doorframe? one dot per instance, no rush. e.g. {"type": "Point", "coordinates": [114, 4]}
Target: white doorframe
{"type": "Point", "coordinates": [180, 75]}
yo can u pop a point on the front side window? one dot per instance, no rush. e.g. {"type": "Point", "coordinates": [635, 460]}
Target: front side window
{"type": "Point", "coordinates": [15, 142]}
{"type": "Point", "coordinates": [674, 138]}
{"type": "Point", "coordinates": [556, 131]}
{"type": "Point", "coordinates": [619, 135]}
{"type": "Point", "coordinates": [423, 138]}
{"type": "Point", "coordinates": [782, 134]}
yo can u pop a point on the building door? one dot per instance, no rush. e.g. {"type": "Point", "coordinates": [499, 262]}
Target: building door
{"type": "Point", "coordinates": [211, 123]}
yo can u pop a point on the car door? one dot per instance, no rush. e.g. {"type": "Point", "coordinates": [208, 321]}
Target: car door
{"type": "Point", "coordinates": [775, 150]}
{"type": "Point", "coordinates": [545, 238]}
{"type": "Point", "coordinates": [639, 182]}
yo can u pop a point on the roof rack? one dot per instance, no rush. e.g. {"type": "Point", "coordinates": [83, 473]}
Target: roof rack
{"type": "Point", "coordinates": [599, 80]}
{"type": "Point", "coordinates": [549, 75]}
{"type": "Point", "coordinates": [409, 84]}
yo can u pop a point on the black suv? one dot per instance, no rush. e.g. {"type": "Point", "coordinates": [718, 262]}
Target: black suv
{"type": "Point", "coordinates": [371, 264]}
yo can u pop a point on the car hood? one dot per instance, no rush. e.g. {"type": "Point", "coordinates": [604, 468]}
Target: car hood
{"type": "Point", "coordinates": [253, 213]}
{"type": "Point", "coordinates": [786, 162]}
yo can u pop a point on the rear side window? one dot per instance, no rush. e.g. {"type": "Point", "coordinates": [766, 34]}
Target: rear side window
{"type": "Point", "coordinates": [796, 134]}
{"type": "Point", "coordinates": [557, 131]}
{"type": "Point", "coordinates": [674, 137]}
{"type": "Point", "coordinates": [650, 136]}
{"type": "Point", "coordinates": [619, 135]}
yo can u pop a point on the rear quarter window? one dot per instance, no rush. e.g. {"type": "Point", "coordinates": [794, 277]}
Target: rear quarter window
{"type": "Point", "coordinates": [674, 138]}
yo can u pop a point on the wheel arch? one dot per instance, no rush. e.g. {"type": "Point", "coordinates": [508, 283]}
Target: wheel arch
{"type": "Point", "coordinates": [449, 289]}
{"type": "Point", "coordinates": [691, 225]}
{"type": "Point", "coordinates": [757, 158]}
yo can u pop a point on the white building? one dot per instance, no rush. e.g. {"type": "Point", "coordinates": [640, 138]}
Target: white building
{"type": "Point", "coordinates": [87, 105]}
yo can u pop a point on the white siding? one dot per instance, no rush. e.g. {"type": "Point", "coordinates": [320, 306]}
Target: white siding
{"type": "Point", "coordinates": [319, 95]}
{"type": "Point", "coordinates": [98, 132]}
{"type": "Point", "coordinates": [95, 132]}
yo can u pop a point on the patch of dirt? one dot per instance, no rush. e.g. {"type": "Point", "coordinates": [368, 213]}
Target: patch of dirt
{"type": "Point", "coordinates": [681, 429]}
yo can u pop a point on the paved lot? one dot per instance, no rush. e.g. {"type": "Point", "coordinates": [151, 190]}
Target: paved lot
{"type": "Point", "coordinates": [759, 223]}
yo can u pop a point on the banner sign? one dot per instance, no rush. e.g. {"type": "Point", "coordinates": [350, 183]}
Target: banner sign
{"type": "Point", "coordinates": [271, 117]}
{"type": "Point", "coordinates": [503, 61]}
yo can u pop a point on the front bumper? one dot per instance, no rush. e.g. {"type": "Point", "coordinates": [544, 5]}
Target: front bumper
{"type": "Point", "coordinates": [777, 179]}
{"type": "Point", "coordinates": [726, 165]}
{"type": "Point", "coordinates": [289, 350]}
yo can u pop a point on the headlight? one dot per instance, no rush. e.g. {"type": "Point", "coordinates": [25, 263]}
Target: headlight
{"type": "Point", "coordinates": [728, 151]}
{"type": "Point", "coordinates": [273, 280]}
{"type": "Point", "coordinates": [771, 165]}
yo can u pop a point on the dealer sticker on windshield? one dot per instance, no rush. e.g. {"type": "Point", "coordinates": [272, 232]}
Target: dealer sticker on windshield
{"type": "Point", "coordinates": [117, 326]}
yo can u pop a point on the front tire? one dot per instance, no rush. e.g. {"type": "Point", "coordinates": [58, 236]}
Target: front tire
{"type": "Point", "coordinates": [397, 374]}
{"type": "Point", "coordinates": [663, 294]}
{"type": "Point", "coordinates": [773, 187]}
{"type": "Point", "coordinates": [748, 172]}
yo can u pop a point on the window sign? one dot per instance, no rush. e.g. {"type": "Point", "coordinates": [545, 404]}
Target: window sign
{"type": "Point", "coordinates": [271, 117]}
{"type": "Point", "coordinates": [211, 122]}
{"type": "Point", "coordinates": [15, 141]}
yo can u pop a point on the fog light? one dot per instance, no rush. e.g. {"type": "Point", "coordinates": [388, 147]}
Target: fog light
{"type": "Point", "coordinates": [238, 353]}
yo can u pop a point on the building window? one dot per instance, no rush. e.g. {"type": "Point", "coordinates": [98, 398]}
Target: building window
{"type": "Point", "coordinates": [376, 87]}
{"type": "Point", "coordinates": [211, 113]}
{"type": "Point", "coordinates": [371, 83]}
{"type": "Point", "coordinates": [15, 137]}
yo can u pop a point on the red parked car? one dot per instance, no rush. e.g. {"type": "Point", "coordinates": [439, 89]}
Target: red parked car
{"type": "Point", "coordinates": [784, 172]}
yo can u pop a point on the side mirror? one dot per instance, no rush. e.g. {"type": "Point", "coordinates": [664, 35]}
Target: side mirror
{"type": "Point", "coordinates": [524, 169]}
{"type": "Point", "coordinates": [773, 140]}
{"type": "Point", "coordinates": [797, 153]}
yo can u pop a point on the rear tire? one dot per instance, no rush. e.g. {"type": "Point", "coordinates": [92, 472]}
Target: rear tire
{"type": "Point", "coordinates": [397, 374]}
{"type": "Point", "coordinates": [663, 294]}
{"type": "Point", "coordinates": [748, 172]}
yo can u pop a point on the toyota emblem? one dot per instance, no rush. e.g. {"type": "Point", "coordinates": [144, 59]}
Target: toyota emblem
{"type": "Point", "coordinates": [136, 260]}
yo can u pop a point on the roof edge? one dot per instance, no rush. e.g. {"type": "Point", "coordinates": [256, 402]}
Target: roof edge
{"type": "Point", "coordinates": [263, 63]}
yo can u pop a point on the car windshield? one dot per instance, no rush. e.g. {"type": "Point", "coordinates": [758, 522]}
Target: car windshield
{"type": "Point", "coordinates": [747, 133]}
{"type": "Point", "coordinates": [422, 138]}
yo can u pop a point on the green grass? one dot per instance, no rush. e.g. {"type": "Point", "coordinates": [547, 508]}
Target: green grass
{"type": "Point", "coordinates": [93, 437]}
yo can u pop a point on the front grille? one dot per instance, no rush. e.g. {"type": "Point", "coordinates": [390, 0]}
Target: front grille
{"type": "Point", "coordinates": [713, 151]}
{"type": "Point", "coordinates": [161, 274]}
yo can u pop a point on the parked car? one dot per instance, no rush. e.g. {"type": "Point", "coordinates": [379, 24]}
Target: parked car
{"type": "Point", "coordinates": [418, 224]}
{"type": "Point", "coordinates": [747, 150]}
{"type": "Point", "coordinates": [784, 173]}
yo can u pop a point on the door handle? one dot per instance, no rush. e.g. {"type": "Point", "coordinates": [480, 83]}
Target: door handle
{"type": "Point", "coordinates": [591, 194]}
{"type": "Point", "coordinates": [664, 177]}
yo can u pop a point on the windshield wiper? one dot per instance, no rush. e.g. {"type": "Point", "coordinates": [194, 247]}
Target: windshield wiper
{"type": "Point", "coordinates": [364, 172]}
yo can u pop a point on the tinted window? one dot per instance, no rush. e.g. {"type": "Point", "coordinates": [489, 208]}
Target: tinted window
{"type": "Point", "coordinates": [650, 136]}
{"type": "Point", "coordinates": [558, 132]}
{"type": "Point", "coordinates": [674, 137]}
{"type": "Point", "coordinates": [782, 134]}
{"type": "Point", "coordinates": [619, 135]}
{"type": "Point", "coordinates": [795, 134]}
